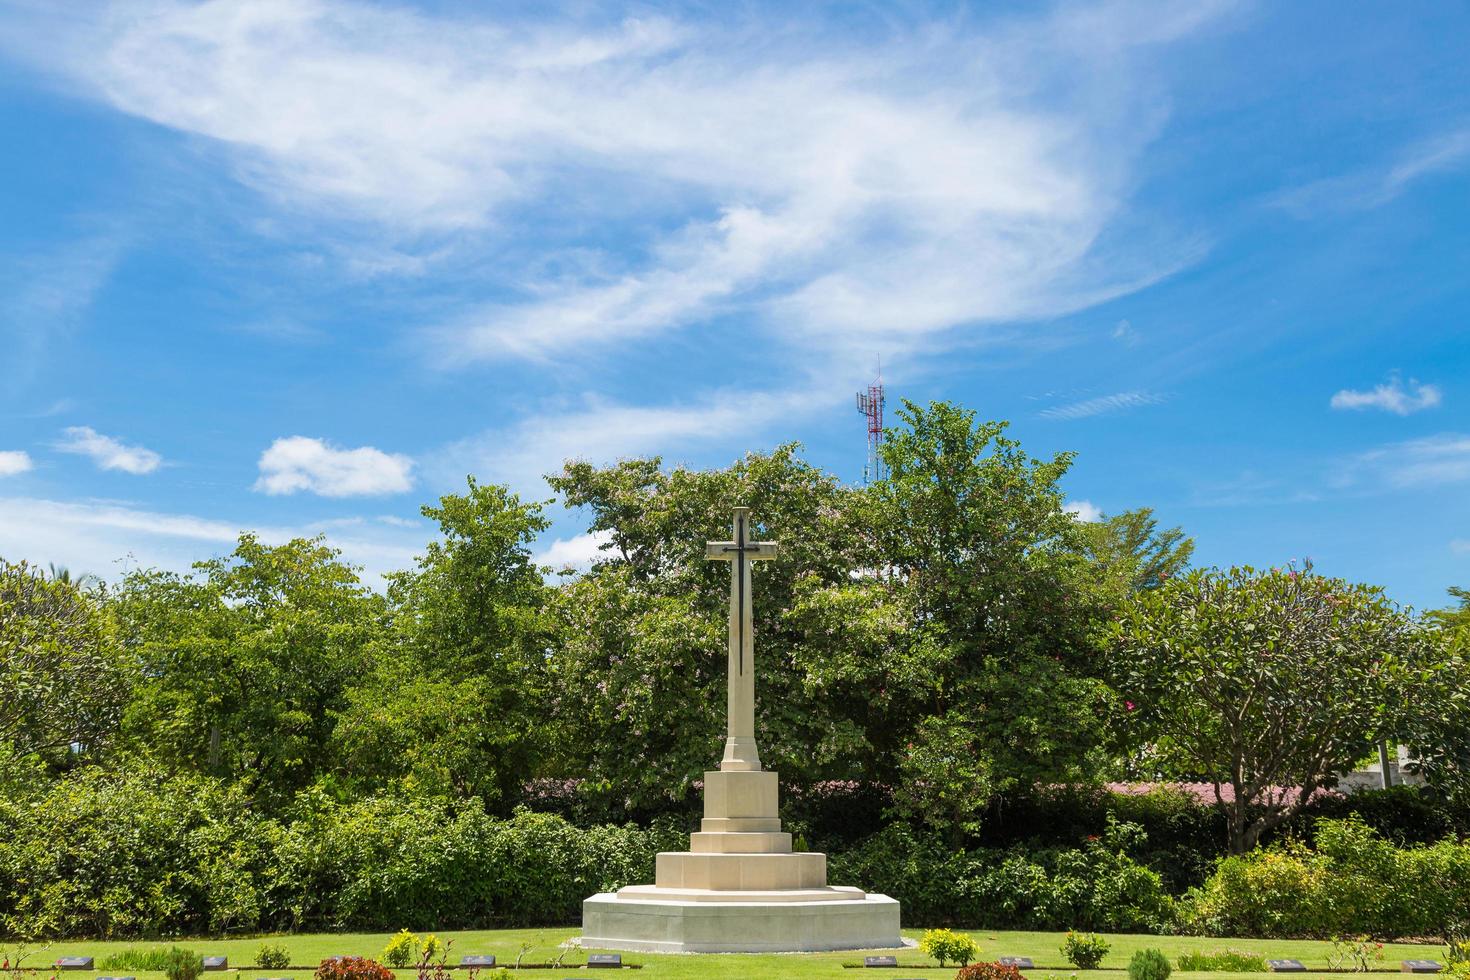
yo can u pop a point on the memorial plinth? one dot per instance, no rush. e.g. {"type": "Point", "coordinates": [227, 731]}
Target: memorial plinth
{"type": "Point", "coordinates": [740, 887]}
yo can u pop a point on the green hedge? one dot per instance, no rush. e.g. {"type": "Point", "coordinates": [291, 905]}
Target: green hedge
{"type": "Point", "coordinates": [143, 855]}
{"type": "Point", "coordinates": [1097, 886]}
{"type": "Point", "coordinates": [1354, 882]}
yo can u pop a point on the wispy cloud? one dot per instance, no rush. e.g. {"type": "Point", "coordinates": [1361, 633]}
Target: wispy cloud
{"type": "Point", "coordinates": [1377, 186]}
{"type": "Point", "coordinates": [1390, 396]}
{"type": "Point", "coordinates": [1122, 401]}
{"type": "Point", "coordinates": [896, 189]}
{"type": "Point", "coordinates": [603, 431]}
{"type": "Point", "coordinates": [108, 453]}
{"type": "Point", "coordinates": [1460, 546]}
{"type": "Point", "coordinates": [100, 536]}
{"type": "Point", "coordinates": [300, 463]}
{"type": "Point", "coordinates": [1428, 462]}
{"type": "Point", "coordinates": [15, 461]}
{"type": "Point", "coordinates": [46, 296]}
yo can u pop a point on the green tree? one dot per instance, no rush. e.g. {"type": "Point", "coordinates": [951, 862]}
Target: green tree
{"type": "Point", "coordinates": [640, 674]}
{"type": "Point", "coordinates": [244, 662]}
{"type": "Point", "coordinates": [994, 603]}
{"type": "Point", "coordinates": [1130, 553]}
{"type": "Point", "coordinates": [62, 685]}
{"type": "Point", "coordinates": [1454, 617]}
{"type": "Point", "coordinates": [1267, 684]}
{"type": "Point", "coordinates": [457, 701]}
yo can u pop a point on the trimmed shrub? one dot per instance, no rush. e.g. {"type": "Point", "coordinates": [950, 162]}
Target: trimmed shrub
{"type": "Point", "coordinates": [1354, 883]}
{"type": "Point", "coordinates": [400, 949]}
{"type": "Point", "coordinates": [949, 947]}
{"type": "Point", "coordinates": [352, 968]}
{"type": "Point", "coordinates": [183, 964]}
{"type": "Point", "coordinates": [272, 957]}
{"type": "Point", "coordinates": [990, 971]}
{"type": "Point", "coordinates": [1222, 961]}
{"type": "Point", "coordinates": [1084, 950]}
{"type": "Point", "coordinates": [1149, 964]}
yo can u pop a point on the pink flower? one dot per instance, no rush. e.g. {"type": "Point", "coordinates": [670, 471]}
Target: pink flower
{"type": "Point", "coordinates": [1129, 705]}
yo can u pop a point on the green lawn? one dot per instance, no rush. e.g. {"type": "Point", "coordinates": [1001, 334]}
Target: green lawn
{"type": "Point", "coordinates": [1042, 947]}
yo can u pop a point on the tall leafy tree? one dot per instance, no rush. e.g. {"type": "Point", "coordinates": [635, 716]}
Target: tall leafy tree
{"type": "Point", "coordinates": [243, 663]}
{"type": "Point", "coordinates": [62, 683]}
{"type": "Point", "coordinates": [1130, 553]}
{"type": "Point", "coordinates": [1267, 684]}
{"type": "Point", "coordinates": [456, 702]}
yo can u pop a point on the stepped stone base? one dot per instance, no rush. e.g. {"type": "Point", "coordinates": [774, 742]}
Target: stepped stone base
{"type": "Point", "coordinates": [665, 921]}
{"type": "Point", "coordinates": [740, 888]}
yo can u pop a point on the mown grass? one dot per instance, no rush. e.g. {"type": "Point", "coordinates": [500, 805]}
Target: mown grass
{"type": "Point", "coordinates": [1043, 947]}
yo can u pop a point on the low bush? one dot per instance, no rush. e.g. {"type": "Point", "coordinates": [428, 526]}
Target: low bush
{"type": "Point", "coordinates": [400, 949]}
{"type": "Point", "coordinates": [352, 968]}
{"type": "Point", "coordinates": [152, 959]}
{"type": "Point", "coordinates": [271, 956]}
{"type": "Point", "coordinates": [1084, 950]}
{"type": "Point", "coordinates": [1354, 883]}
{"type": "Point", "coordinates": [182, 964]}
{"type": "Point", "coordinates": [1149, 964]}
{"type": "Point", "coordinates": [1096, 886]}
{"type": "Point", "coordinates": [990, 971]}
{"type": "Point", "coordinates": [949, 947]}
{"type": "Point", "coordinates": [1222, 961]}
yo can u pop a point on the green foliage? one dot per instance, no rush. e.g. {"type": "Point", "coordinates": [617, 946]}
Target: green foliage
{"type": "Point", "coordinates": [401, 949]}
{"type": "Point", "coordinates": [272, 956]}
{"type": "Point", "coordinates": [352, 968]}
{"type": "Point", "coordinates": [1097, 886]}
{"type": "Point", "coordinates": [1084, 950]}
{"type": "Point", "coordinates": [1222, 961]}
{"type": "Point", "coordinates": [62, 682]}
{"type": "Point", "coordinates": [146, 854]}
{"type": "Point", "coordinates": [183, 964]}
{"type": "Point", "coordinates": [1130, 553]}
{"type": "Point", "coordinates": [948, 946]}
{"type": "Point", "coordinates": [990, 971]}
{"type": "Point", "coordinates": [243, 663]}
{"type": "Point", "coordinates": [153, 959]}
{"type": "Point", "coordinates": [1149, 964]}
{"type": "Point", "coordinates": [1353, 883]}
{"type": "Point", "coordinates": [1259, 681]}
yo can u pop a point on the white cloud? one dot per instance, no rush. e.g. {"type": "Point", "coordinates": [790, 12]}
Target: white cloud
{"type": "Point", "coordinates": [1377, 186]}
{"type": "Point", "coordinates": [104, 537]}
{"type": "Point", "coordinates": [300, 463]}
{"type": "Point", "coordinates": [576, 552]}
{"type": "Point", "coordinates": [1124, 333]}
{"type": "Point", "coordinates": [602, 431]}
{"type": "Point", "coordinates": [1085, 510]}
{"type": "Point", "coordinates": [13, 461]}
{"type": "Point", "coordinates": [1391, 396]}
{"type": "Point", "coordinates": [1431, 461]}
{"type": "Point", "coordinates": [108, 453]}
{"type": "Point", "coordinates": [1460, 546]}
{"type": "Point", "coordinates": [941, 177]}
{"type": "Point", "coordinates": [1121, 401]}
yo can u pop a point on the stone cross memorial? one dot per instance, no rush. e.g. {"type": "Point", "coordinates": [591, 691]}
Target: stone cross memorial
{"type": "Point", "coordinates": [740, 887]}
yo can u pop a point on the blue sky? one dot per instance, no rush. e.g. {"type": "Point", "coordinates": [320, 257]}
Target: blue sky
{"type": "Point", "coordinates": [300, 266]}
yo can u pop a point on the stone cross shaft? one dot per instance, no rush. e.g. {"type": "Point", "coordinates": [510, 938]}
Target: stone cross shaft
{"type": "Point", "coordinates": [740, 749]}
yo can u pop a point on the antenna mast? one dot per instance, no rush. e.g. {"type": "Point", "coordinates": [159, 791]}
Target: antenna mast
{"type": "Point", "coordinates": [870, 405]}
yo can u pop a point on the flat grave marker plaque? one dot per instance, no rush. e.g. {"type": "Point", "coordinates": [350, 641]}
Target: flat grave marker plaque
{"type": "Point", "coordinates": [1420, 966]}
{"type": "Point", "coordinates": [216, 962]}
{"type": "Point", "coordinates": [604, 960]}
{"type": "Point", "coordinates": [478, 960]}
{"type": "Point", "coordinates": [1019, 962]}
{"type": "Point", "coordinates": [74, 963]}
{"type": "Point", "coordinates": [117, 978]}
{"type": "Point", "coordinates": [1286, 966]}
{"type": "Point", "coordinates": [880, 961]}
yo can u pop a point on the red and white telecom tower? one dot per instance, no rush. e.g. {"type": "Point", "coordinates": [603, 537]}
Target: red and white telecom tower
{"type": "Point", "coordinates": [870, 404]}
